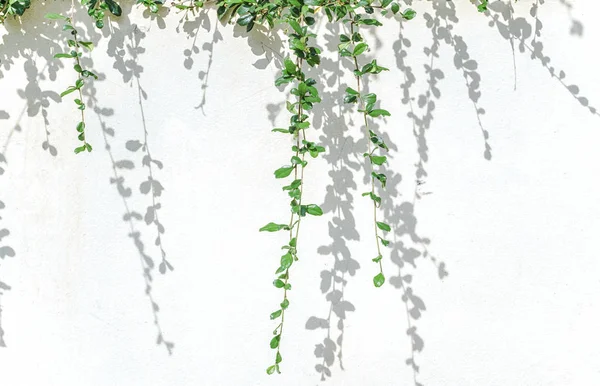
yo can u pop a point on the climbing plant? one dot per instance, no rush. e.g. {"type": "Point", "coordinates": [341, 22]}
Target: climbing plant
{"type": "Point", "coordinates": [297, 18]}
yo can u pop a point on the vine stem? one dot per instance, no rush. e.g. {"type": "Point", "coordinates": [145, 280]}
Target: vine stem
{"type": "Point", "coordinates": [366, 121]}
{"type": "Point", "coordinates": [299, 62]}
{"type": "Point", "coordinates": [79, 76]}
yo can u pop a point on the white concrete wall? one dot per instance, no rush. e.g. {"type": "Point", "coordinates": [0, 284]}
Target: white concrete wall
{"type": "Point", "coordinates": [517, 235]}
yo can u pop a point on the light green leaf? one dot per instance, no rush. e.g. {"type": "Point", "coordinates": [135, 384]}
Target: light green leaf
{"type": "Point", "coordinates": [359, 49]}
{"type": "Point", "coordinates": [272, 227]}
{"type": "Point", "coordinates": [275, 314]}
{"type": "Point", "coordinates": [314, 210]}
{"type": "Point", "coordinates": [284, 171]}
{"type": "Point", "coordinates": [55, 16]}
{"type": "Point", "coordinates": [378, 160]}
{"type": "Point", "coordinates": [378, 280]}
{"type": "Point", "coordinates": [383, 226]}
{"type": "Point", "coordinates": [379, 112]}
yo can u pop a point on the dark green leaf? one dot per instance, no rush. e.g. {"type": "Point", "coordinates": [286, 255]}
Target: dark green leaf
{"type": "Point", "coordinates": [113, 7]}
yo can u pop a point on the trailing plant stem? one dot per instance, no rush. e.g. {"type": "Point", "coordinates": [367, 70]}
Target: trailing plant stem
{"type": "Point", "coordinates": [366, 121]}
{"type": "Point", "coordinates": [293, 224]}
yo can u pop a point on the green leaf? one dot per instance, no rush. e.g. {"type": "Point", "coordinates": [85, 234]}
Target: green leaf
{"type": "Point", "coordinates": [55, 16]}
{"type": "Point", "coordinates": [377, 259]}
{"type": "Point", "coordinates": [279, 130]}
{"type": "Point", "coordinates": [275, 341]}
{"type": "Point", "coordinates": [286, 261]}
{"type": "Point", "coordinates": [61, 56]}
{"type": "Point", "coordinates": [359, 49]}
{"type": "Point", "coordinates": [278, 283]}
{"type": "Point", "coordinates": [246, 19]}
{"type": "Point", "coordinates": [294, 24]}
{"type": "Point", "coordinates": [271, 369]}
{"type": "Point", "coordinates": [379, 280]}
{"type": "Point", "coordinates": [409, 14]}
{"type": "Point", "coordinates": [379, 112]}
{"type": "Point", "coordinates": [314, 210]}
{"type": "Point", "coordinates": [290, 67]}
{"type": "Point", "coordinates": [284, 171]}
{"type": "Point", "coordinates": [378, 160]}
{"type": "Point", "coordinates": [113, 7]}
{"type": "Point", "coordinates": [285, 304]}
{"type": "Point", "coordinates": [351, 91]}
{"type": "Point", "coordinates": [371, 22]}
{"type": "Point", "coordinates": [383, 226]}
{"type": "Point", "coordinates": [88, 147]}
{"type": "Point", "coordinates": [68, 91]}
{"type": "Point", "coordinates": [275, 314]}
{"type": "Point", "coordinates": [395, 8]}
{"type": "Point", "coordinates": [88, 45]}
{"type": "Point", "coordinates": [80, 127]}
{"type": "Point", "coordinates": [384, 242]}
{"type": "Point", "coordinates": [79, 149]}
{"type": "Point", "coordinates": [278, 358]}
{"type": "Point", "coordinates": [272, 227]}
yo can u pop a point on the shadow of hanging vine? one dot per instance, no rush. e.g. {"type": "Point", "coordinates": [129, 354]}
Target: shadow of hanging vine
{"type": "Point", "coordinates": [331, 117]}
{"type": "Point", "coordinates": [125, 48]}
{"type": "Point", "coordinates": [521, 30]}
{"type": "Point", "coordinates": [5, 249]}
{"type": "Point", "coordinates": [191, 26]}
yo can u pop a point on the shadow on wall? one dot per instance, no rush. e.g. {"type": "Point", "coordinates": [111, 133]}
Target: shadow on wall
{"type": "Point", "coordinates": [409, 246]}
{"type": "Point", "coordinates": [29, 40]}
{"type": "Point", "coordinates": [5, 249]}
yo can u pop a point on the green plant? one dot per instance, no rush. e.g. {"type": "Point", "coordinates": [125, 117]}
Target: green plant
{"type": "Point", "coordinates": [82, 74]}
{"type": "Point", "coordinates": [298, 19]}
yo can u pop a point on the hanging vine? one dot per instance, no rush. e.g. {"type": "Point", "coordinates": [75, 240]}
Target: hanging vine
{"type": "Point", "coordinates": [298, 18]}
{"type": "Point", "coordinates": [82, 73]}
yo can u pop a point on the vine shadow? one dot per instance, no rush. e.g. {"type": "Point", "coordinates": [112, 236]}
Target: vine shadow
{"type": "Point", "coordinates": [5, 249]}
{"type": "Point", "coordinates": [36, 40]}
{"type": "Point", "coordinates": [125, 46]}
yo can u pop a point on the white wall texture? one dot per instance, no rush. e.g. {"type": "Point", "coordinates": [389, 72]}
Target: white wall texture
{"type": "Point", "coordinates": [503, 253]}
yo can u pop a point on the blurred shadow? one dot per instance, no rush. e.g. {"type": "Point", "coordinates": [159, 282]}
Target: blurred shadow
{"type": "Point", "coordinates": [192, 27]}
{"type": "Point", "coordinates": [521, 30]}
{"type": "Point", "coordinates": [5, 249]}
{"type": "Point", "coordinates": [125, 46]}
{"type": "Point", "coordinates": [329, 115]}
